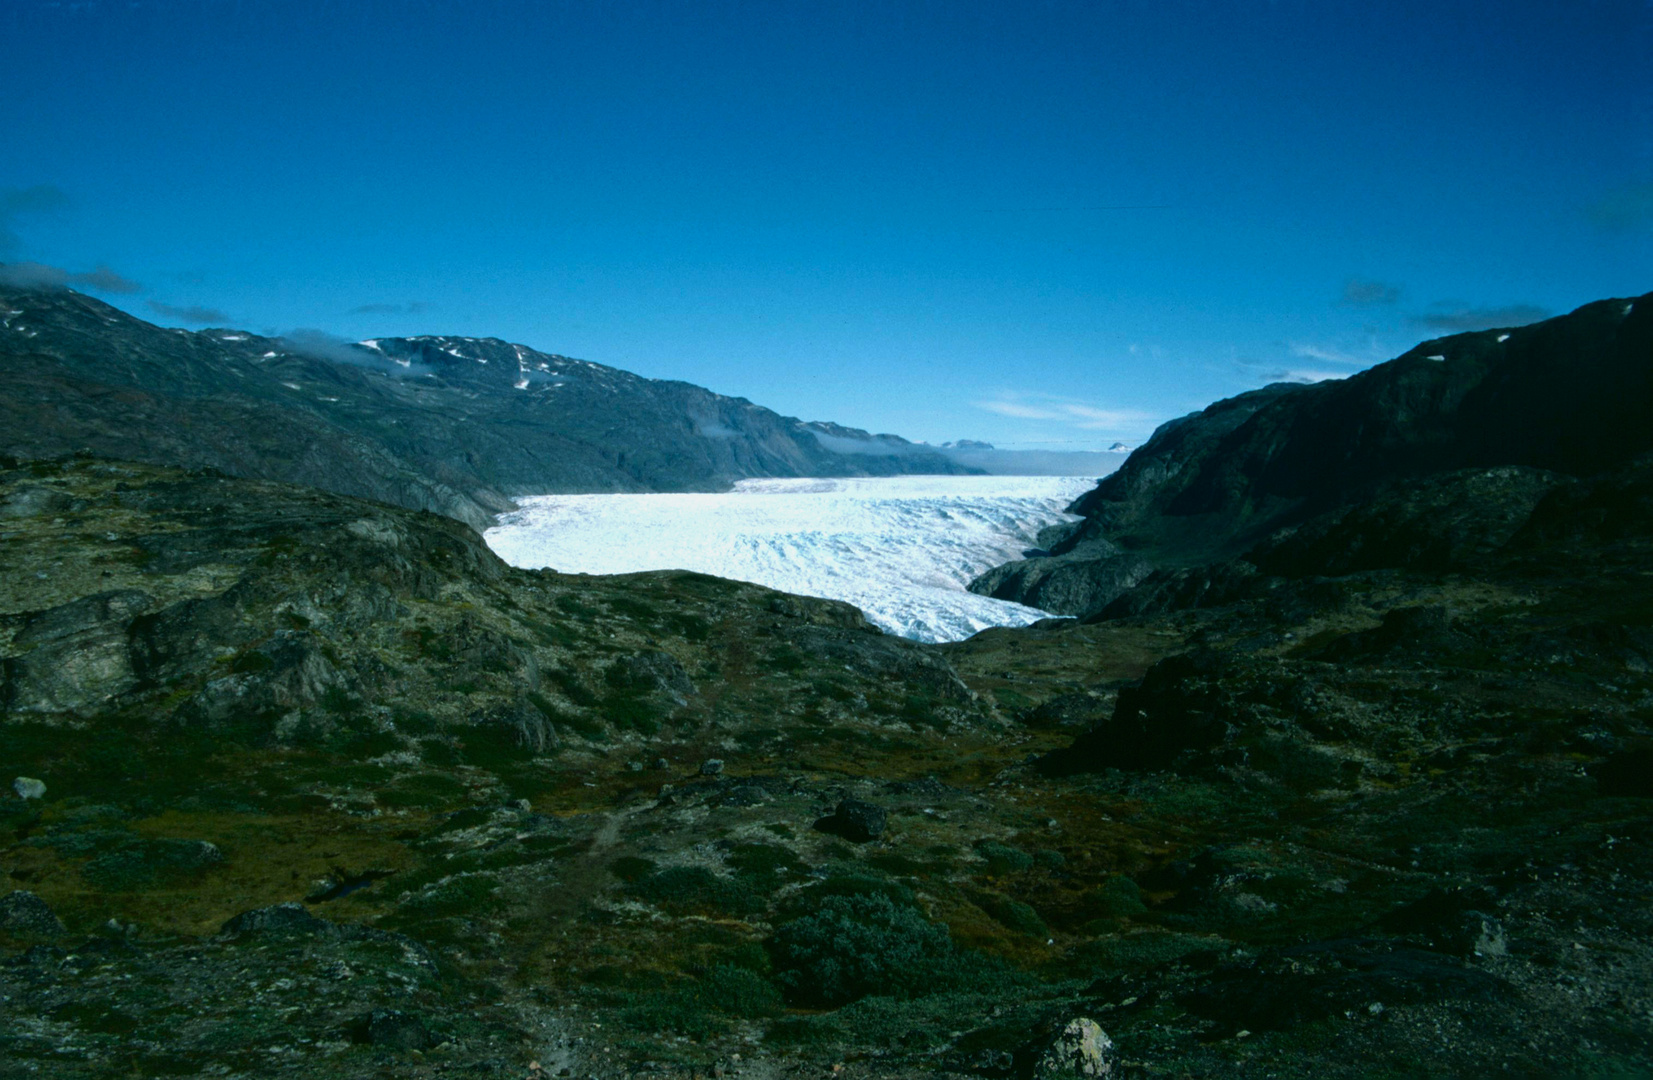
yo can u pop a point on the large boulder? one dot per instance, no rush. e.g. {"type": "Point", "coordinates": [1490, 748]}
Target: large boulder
{"type": "Point", "coordinates": [26, 917]}
{"type": "Point", "coordinates": [1081, 1050]}
{"type": "Point", "coordinates": [74, 657]}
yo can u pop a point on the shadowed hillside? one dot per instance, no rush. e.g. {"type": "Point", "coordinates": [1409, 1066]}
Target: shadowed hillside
{"type": "Point", "coordinates": [1572, 395]}
{"type": "Point", "coordinates": [454, 425]}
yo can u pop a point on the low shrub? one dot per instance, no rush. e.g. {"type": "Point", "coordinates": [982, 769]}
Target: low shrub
{"type": "Point", "coordinates": [1116, 898]}
{"type": "Point", "coordinates": [812, 898]}
{"type": "Point", "coordinates": [699, 1008]}
{"type": "Point", "coordinates": [148, 862]}
{"type": "Point", "coordinates": [859, 945]}
{"type": "Point", "coordinates": [1003, 859]}
{"type": "Point", "coordinates": [738, 991]}
{"type": "Point", "coordinates": [631, 711]}
{"type": "Point", "coordinates": [1053, 861]}
{"type": "Point", "coordinates": [1012, 914]}
{"type": "Point", "coordinates": [631, 868]}
{"type": "Point", "coordinates": [695, 890]}
{"type": "Point", "coordinates": [765, 865]}
{"type": "Point", "coordinates": [468, 895]}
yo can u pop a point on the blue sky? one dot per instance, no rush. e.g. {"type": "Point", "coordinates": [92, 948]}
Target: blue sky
{"type": "Point", "coordinates": [1039, 224]}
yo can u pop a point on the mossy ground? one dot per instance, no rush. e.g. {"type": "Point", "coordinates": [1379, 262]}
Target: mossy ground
{"type": "Point", "coordinates": [440, 749]}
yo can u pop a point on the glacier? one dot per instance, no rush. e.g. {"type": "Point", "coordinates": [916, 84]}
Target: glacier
{"type": "Point", "coordinates": [900, 548]}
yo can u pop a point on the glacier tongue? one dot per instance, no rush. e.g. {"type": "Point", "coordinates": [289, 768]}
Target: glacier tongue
{"type": "Point", "coordinates": [901, 549]}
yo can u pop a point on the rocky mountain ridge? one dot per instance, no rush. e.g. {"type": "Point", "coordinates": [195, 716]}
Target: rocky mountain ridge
{"type": "Point", "coordinates": [458, 426]}
{"type": "Point", "coordinates": [1571, 395]}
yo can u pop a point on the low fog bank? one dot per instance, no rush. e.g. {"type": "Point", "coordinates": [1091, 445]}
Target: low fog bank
{"type": "Point", "coordinates": [1096, 463]}
{"type": "Point", "coordinates": [979, 456]}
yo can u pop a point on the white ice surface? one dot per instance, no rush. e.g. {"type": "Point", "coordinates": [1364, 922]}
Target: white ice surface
{"type": "Point", "coordinates": [901, 549]}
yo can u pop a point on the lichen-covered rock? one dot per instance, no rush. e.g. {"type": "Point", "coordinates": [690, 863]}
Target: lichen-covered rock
{"type": "Point", "coordinates": [277, 919]}
{"type": "Point", "coordinates": [1081, 1050]}
{"type": "Point", "coordinates": [25, 916]}
{"type": "Point", "coordinates": [27, 787]}
{"type": "Point", "coordinates": [75, 656]}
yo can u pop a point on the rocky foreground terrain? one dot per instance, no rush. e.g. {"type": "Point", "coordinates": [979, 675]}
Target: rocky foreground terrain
{"type": "Point", "coordinates": [312, 786]}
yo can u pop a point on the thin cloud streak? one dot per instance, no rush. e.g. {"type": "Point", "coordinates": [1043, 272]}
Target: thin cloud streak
{"type": "Point", "coordinates": [1017, 410]}
{"type": "Point", "coordinates": [39, 275]}
{"type": "Point", "coordinates": [412, 308]}
{"type": "Point", "coordinates": [1327, 355]}
{"type": "Point", "coordinates": [1461, 318]}
{"type": "Point", "coordinates": [190, 313]}
{"type": "Point", "coordinates": [1362, 293]}
{"type": "Point", "coordinates": [1073, 413]}
{"type": "Point", "coordinates": [39, 199]}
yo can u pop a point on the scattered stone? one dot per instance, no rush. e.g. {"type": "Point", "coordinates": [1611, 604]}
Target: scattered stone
{"type": "Point", "coordinates": [662, 763]}
{"type": "Point", "coordinates": [1453, 921]}
{"type": "Point", "coordinates": [27, 787]}
{"type": "Point", "coordinates": [855, 821]}
{"type": "Point", "coordinates": [321, 888]}
{"type": "Point", "coordinates": [1081, 1049]}
{"type": "Point", "coordinates": [1307, 982]}
{"type": "Point", "coordinates": [290, 918]}
{"type": "Point", "coordinates": [25, 915]}
{"type": "Point", "coordinates": [711, 767]}
{"type": "Point", "coordinates": [745, 793]}
{"type": "Point", "coordinates": [927, 787]}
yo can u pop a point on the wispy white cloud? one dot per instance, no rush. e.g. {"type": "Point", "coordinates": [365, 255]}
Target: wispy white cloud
{"type": "Point", "coordinates": [1022, 405]}
{"type": "Point", "coordinates": [1316, 361]}
{"type": "Point", "coordinates": [1018, 410]}
{"type": "Point", "coordinates": [1327, 354]}
{"type": "Point", "coordinates": [1306, 375]}
{"type": "Point", "coordinates": [1094, 419]}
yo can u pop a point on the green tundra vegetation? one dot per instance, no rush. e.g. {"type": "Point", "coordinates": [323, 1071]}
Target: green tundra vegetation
{"type": "Point", "coordinates": [331, 791]}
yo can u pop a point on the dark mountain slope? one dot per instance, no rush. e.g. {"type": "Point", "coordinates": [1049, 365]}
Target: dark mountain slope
{"type": "Point", "coordinates": [1573, 395]}
{"type": "Point", "coordinates": [453, 425]}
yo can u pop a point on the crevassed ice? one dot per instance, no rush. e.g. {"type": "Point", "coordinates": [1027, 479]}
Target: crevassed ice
{"type": "Point", "coordinates": [901, 549]}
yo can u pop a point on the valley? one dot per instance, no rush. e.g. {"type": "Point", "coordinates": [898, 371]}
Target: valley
{"type": "Point", "coordinates": [312, 785]}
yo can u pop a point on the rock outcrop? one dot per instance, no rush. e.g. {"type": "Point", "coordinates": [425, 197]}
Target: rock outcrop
{"type": "Point", "coordinates": [1569, 396]}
